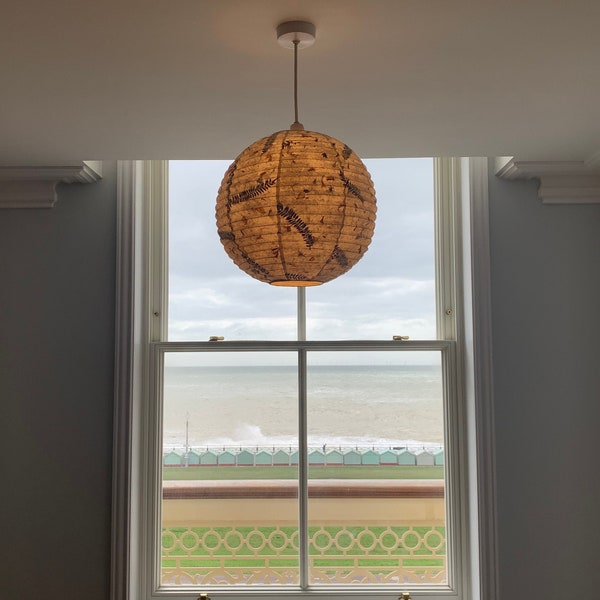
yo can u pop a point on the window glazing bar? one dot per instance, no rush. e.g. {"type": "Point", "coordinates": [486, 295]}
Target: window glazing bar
{"type": "Point", "coordinates": [302, 470]}
{"type": "Point", "coordinates": [301, 316]}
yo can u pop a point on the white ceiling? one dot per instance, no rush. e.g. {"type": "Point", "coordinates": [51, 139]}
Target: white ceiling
{"type": "Point", "coordinates": [204, 78]}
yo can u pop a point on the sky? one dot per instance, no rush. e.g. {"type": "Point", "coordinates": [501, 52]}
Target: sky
{"type": "Point", "coordinates": [391, 291]}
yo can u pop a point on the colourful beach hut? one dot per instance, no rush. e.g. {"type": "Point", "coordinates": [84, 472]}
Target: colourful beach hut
{"type": "Point", "coordinates": [316, 457]}
{"type": "Point", "coordinates": [352, 457]}
{"type": "Point", "coordinates": [226, 458]}
{"type": "Point", "coordinates": [438, 458]}
{"type": "Point", "coordinates": [294, 457]}
{"type": "Point", "coordinates": [193, 459]}
{"type": "Point", "coordinates": [405, 457]}
{"type": "Point", "coordinates": [388, 457]}
{"type": "Point", "coordinates": [425, 459]}
{"type": "Point", "coordinates": [172, 459]}
{"type": "Point", "coordinates": [245, 458]}
{"type": "Point", "coordinates": [281, 458]}
{"type": "Point", "coordinates": [208, 458]}
{"type": "Point", "coordinates": [334, 457]}
{"type": "Point", "coordinates": [370, 457]}
{"type": "Point", "coordinates": [263, 457]}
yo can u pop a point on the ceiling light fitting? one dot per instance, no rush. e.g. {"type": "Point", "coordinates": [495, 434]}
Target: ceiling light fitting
{"type": "Point", "coordinates": [296, 208]}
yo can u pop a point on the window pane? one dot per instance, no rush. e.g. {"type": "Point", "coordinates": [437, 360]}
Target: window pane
{"type": "Point", "coordinates": [230, 469]}
{"type": "Point", "coordinates": [376, 508]}
{"type": "Point", "coordinates": [391, 291]}
{"type": "Point", "coordinates": [208, 294]}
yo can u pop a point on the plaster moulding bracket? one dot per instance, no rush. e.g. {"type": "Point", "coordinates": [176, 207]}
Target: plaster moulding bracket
{"type": "Point", "coordinates": [35, 187]}
{"type": "Point", "coordinates": [561, 182]}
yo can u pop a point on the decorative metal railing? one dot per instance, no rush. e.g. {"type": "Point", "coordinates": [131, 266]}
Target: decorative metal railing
{"type": "Point", "coordinates": [338, 554]}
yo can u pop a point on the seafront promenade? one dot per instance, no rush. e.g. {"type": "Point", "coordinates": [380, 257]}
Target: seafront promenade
{"type": "Point", "coordinates": [361, 531]}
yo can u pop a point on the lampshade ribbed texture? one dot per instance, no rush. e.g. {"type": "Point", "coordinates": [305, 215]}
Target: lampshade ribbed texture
{"type": "Point", "coordinates": [296, 208]}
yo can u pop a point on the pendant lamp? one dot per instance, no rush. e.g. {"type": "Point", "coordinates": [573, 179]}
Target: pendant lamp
{"type": "Point", "coordinates": [296, 208]}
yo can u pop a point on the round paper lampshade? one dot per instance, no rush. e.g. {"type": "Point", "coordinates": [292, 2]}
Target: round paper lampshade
{"type": "Point", "coordinates": [296, 208]}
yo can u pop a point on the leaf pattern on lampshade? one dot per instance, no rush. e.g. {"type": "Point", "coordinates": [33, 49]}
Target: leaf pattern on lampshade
{"type": "Point", "coordinates": [296, 208]}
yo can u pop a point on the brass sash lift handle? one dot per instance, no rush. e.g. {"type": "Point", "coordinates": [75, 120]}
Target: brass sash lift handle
{"type": "Point", "coordinates": [203, 597]}
{"type": "Point", "coordinates": [404, 596]}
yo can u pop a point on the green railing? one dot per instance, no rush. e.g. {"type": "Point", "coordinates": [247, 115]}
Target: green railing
{"type": "Point", "coordinates": [338, 554]}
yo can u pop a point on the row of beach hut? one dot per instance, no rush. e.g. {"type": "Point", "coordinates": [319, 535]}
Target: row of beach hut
{"type": "Point", "coordinates": [283, 457]}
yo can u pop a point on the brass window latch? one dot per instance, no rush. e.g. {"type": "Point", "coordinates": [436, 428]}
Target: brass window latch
{"type": "Point", "coordinates": [213, 338]}
{"type": "Point", "coordinates": [401, 338]}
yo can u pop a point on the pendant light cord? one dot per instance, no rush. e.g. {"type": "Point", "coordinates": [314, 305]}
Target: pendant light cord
{"type": "Point", "coordinates": [296, 122]}
{"type": "Point", "coordinates": [296, 42]}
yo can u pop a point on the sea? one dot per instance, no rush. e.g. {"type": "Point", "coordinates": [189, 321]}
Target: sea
{"type": "Point", "coordinates": [361, 406]}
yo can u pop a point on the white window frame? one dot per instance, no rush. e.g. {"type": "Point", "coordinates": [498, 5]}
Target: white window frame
{"type": "Point", "coordinates": [464, 333]}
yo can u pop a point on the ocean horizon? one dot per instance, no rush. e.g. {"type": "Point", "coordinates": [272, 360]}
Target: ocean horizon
{"type": "Point", "coordinates": [348, 406]}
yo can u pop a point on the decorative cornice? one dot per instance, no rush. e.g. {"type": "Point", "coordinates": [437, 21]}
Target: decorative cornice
{"type": "Point", "coordinates": [561, 182]}
{"type": "Point", "coordinates": [35, 187]}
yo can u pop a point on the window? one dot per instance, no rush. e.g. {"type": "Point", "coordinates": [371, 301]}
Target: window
{"type": "Point", "coordinates": [275, 461]}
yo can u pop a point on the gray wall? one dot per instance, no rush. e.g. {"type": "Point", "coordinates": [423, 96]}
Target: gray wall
{"type": "Point", "coordinates": [56, 365]}
{"type": "Point", "coordinates": [57, 278]}
{"type": "Point", "coordinates": [546, 327]}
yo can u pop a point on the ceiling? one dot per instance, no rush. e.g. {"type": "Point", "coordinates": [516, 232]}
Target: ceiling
{"type": "Point", "coordinates": [204, 78]}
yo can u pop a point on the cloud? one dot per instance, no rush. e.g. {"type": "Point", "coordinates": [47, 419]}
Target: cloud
{"type": "Point", "coordinates": [199, 298]}
{"type": "Point", "coordinates": [244, 328]}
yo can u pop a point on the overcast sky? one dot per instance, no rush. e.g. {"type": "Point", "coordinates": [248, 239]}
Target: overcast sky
{"type": "Point", "coordinates": [391, 291]}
